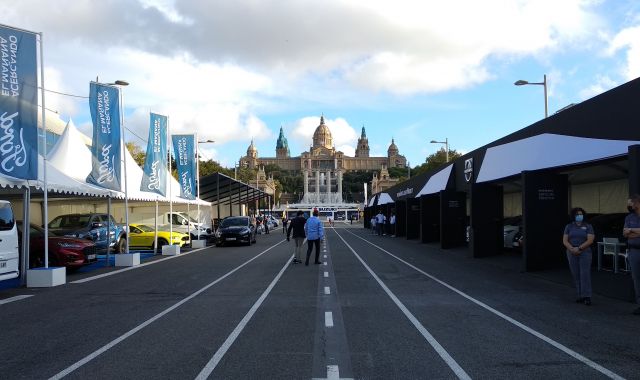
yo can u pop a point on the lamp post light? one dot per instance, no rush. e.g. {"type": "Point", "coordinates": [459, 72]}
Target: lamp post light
{"type": "Point", "coordinates": [544, 84]}
{"type": "Point", "coordinates": [446, 145]}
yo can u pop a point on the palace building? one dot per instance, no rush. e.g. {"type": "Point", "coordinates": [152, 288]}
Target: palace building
{"type": "Point", "coordinates": [323, 166]}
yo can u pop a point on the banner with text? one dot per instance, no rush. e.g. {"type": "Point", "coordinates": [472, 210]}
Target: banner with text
{"type": "Point", "coordinates": [185, 154]}
{"type": "Point", "coordinates": [154, 178]}
{"type": "Point", "coordinates": [104, 104]}
{"type": "Point", "coordinates": [18, 104]}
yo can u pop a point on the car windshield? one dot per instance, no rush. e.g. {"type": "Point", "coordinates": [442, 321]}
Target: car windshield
{"type": "Point", "coordinates": [144, 228]}
{"type": "Point", "coordinates": [70, 221]}
{"type": "Point", "coordinates": [235, 222]}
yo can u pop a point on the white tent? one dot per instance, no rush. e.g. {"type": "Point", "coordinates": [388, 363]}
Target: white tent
{"type": "Point", "coordinates": [437, 182]}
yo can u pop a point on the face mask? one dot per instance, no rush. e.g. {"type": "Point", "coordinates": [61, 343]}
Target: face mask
{"type": "Point", "coordinates": [630, 208]}
{"type": "Point", "coordinates": [579, 218]}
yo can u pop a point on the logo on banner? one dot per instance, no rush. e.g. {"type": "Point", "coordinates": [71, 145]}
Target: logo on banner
{"type": "Point", "coordinates": [404, 192]}
{"type": "Point", "coordinates": [154, 173]}
{"type": "Point", "coordinates": [468, 169]}
{"type": "Point", "coordinates": [184, 149]}
{"type": "Point", "coordinates": [18, 104]}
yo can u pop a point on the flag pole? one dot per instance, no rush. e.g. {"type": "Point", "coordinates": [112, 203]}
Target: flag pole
{"type": "Point", "coordinates": [124, 156]}
{"type": "Point", "coordinates": [198, 183]}
{"type": "Point", "coordinates": [170, 145]}
{"type": "Point", "coordinates": [45, 189]}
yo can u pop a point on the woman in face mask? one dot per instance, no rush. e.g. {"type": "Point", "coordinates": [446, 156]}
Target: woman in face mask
{"type": "Point", "coordinates": [578, 237]}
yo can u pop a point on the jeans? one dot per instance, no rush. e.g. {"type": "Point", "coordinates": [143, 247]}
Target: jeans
{"type": "Point", "coordinates": [634, 265]}
{"type": "Point", "coordinates": [580, 266]}
{"type": "Point", "coordinates": [310, 244]}
{"type": "Point", "coordinates": [299, 241]}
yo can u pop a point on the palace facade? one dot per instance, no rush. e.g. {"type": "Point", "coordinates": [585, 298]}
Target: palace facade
{"type": "Point", "coordinates": [323, 166]}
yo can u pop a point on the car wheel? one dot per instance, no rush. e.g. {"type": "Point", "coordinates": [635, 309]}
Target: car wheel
{"type": "Point", "coordinates": [121, 246]}
{"type": "Point", "coordinates": [161, 243]}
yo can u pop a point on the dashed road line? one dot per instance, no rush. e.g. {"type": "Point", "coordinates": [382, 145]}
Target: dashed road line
{"type": "Point", "coordinates": [326, 274]}
{"type": "Point", "coordinates": [327, 290]}
{"type": "Point", "coordinates": [521, 325]}
{"type": "Point", "coordinates": [328, 319]}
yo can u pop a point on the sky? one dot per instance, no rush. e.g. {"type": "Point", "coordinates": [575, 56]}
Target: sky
{"type": "Point", "coordinates": [414, 71]}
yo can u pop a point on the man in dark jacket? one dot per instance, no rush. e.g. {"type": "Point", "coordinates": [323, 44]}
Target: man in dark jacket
{"type": "Point", "coordinates": [297, 225]}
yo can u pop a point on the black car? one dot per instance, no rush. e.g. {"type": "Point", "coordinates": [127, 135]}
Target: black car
{"type": "Point", "coordinates": [235, 229]}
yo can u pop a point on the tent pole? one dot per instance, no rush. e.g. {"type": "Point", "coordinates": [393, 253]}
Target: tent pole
{"type": "Point", "coordinates": [26, 222]}
{"type": "Point", "coordinates": [218, 196]}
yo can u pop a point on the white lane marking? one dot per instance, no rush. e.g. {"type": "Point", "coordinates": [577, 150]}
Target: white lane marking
{"type": "Point", "coordinates": [455, 367]}
{"type": "Point", "coordinates": [325, 256]}
{"type": "Point", "coordinates": [327, 290]}
{"type": "Point", "coordinates": [521, 325]}
{"type": "Point", "coordinates": [325, 263]}
{"type": "Point", "coordinates": [333, 372]}
{"type": "Point", "coordinates": [146, 323]}
{"type": "Point", "coordinates": [136, 267]}
{"type": "Point", "coordinates": [16, 298]}
{"type": "Point", "coordinates": [328, 319]}
{"type": "Point", "coordinates": [326, 274]}
{"type": "Point", "coordinates": [211, 365]}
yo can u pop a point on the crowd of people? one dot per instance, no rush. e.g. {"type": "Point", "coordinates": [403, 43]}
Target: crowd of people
{"type": "Point", "coordinates": [382, 225]}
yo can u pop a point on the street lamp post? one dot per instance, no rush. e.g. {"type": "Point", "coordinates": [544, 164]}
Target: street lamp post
{"type": "Point", "coordinates": [544, 84]}
{"type": "Point", "coordinates": [446, 145]}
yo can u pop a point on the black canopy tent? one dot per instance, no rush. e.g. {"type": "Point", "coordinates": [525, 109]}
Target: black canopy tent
{"type": "Point", "coordinates": [222, 190]}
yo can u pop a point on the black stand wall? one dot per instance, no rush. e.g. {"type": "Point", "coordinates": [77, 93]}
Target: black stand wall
{"type": "Point", "coordinates": [487, 233]}
{"type": "Point", "coordinates": [413, 218]}
{"type": "Point", "coordinates": [634, 169]}
{"type": "Point", "coordinates": [545, 203]}
{"type": "Point", "coordinates": [453, 214]}
{"type": "Point", "coordinates": [430, 218]}
{"type": "Point", "coordinates": [401, 218]}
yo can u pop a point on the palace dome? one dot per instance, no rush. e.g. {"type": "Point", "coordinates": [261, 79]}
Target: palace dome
{"type": "Point", "coordinates": [322, 136]}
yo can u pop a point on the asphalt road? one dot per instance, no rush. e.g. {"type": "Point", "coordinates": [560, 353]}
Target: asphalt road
{"type": "Point", "coordinates": [377, 308]}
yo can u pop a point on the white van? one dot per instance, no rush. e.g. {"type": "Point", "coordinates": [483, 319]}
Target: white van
{"type": "Point", "coordinates": [9, 252]}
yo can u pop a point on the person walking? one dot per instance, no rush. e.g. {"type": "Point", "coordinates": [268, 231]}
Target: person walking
{"type": "Point", "coordinates": [373, 225]}
{"type": "Point", "coordinates": [631, 231]}
{"type": "Point", "coordinates": [297, 226]}
{"type": "Point", "coordinates": [392, 224]}
{"type": "Point", "coordinates": [578, 237]}
{"type": "Point", "coordinates": [285, 221]}
{"type": "Point", "coordinates": [266, 224]}
{"type": "Point", "coordinates": [315, 232]}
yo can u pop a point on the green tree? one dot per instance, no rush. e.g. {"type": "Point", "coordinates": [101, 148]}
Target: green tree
{"type": "Point", "coordinates": [435, 161]}
{"type": "Point", "coordinates": [137, 153]}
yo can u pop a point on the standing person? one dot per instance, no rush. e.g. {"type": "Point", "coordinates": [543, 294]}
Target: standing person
{"type": "Point", "coordinates": [315, 232]}
{"type": "Point", "coordinates": [285, 221]}
{"type": "Point", "coordinates": [379, 222]}
{"type": "Point", "coordinates": [266, 224]}
{"type": "Point", "coordinates": [373, 225]}
{"type": "Point", "coordinates": [392, 224]}
{"type": "Point", "coordinates": [631, 231]}
{"type": "Point", "coordinates": [578, 237]}
{"type": "Point", "coordinates": [297, 226]}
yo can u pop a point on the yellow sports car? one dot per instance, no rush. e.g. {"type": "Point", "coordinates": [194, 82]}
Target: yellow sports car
{"type": "Point", "coordinates": [142, 235]}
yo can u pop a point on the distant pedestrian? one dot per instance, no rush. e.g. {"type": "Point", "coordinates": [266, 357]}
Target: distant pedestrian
{"type": "Point", "coordinates": [373, 225]}
{"type": "Point", "coordinates": [285, 221]}
{"type": "Point", "coordinates": [578, 237]}
{"type": "Point", "coordinates": [380, 223]}
{"type": "Point", "coordinates": [392, 224]}
{"type": "Point", "coordinates": [266, 224]}
{"type": "Point", "coordinates": [351, 219]}
{"type": "Point", "coordinates": [632, 232]}
{"type": "Point", "coordinates": [315, 232]}
{"type": "Point", "coordinates": [297, 226]}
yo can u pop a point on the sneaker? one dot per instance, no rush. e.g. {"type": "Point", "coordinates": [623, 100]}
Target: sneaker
{"type": "Point", "coordinates": [636, 311]}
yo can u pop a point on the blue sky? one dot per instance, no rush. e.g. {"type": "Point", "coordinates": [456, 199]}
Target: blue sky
{"type": "Point", "coordinates": [411, 70]}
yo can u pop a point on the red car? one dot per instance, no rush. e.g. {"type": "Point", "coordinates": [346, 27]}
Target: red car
{"type": "Point", "coordinates": [69, 252]}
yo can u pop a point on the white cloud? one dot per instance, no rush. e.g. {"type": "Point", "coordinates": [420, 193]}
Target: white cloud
{"type": "Point", "coordinates": [628, 39]}
{"type": "Point", "coordinates": [602, 84]}
{"type": "Point", "coordinates": [344, 135]}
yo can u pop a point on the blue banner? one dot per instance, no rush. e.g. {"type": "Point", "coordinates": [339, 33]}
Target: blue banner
{"type": "Point", "coordinates": [104, 104]}
{"type": "Point", "coordinates": [154, 178]}
{"type": "Point", "coordinates": [18, 104]}
{"type": "Point", "coordinates": [185, 154]}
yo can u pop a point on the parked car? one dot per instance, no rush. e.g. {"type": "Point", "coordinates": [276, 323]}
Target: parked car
{"type": "Point", "coordinates": [510, 227]}
{"type": "Point", "coordinates": [9, 248]}
{"type": "Point", "coordinates": [141, 235]}
{"type": "Point", "coordinates": [72, 253]}
{"type": "Point", "coordinates": [235, 229]}
{"type": "Point", "coordinates": [92, 227]}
